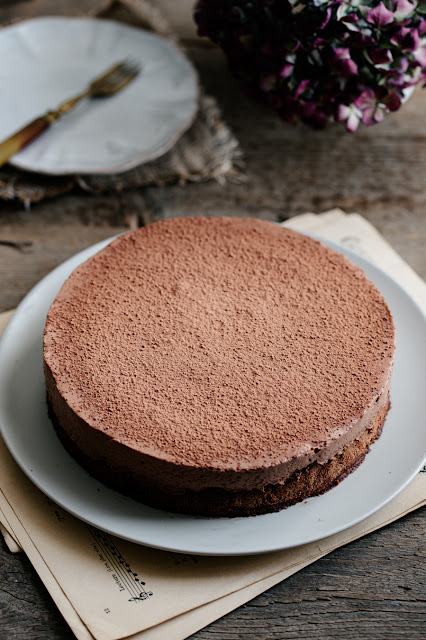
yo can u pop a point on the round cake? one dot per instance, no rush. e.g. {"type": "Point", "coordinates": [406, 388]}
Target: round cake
{"type": "Point", "coordinates": [218, 366]}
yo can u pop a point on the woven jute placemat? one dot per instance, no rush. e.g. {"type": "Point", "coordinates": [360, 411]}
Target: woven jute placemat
{"type": "Point", "coordinates": [208, 149]}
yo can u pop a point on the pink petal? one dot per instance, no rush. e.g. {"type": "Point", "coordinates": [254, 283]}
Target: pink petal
{"type": "Point", "coordinates": [326, 19]}
{"type": "Point", "coordinates": [368, 116]}
{"type": "Point", "coordinates": [341, 53]}
{"type": "Point", "coordinates": [380, 16]}
{"type": "Point", "coordinates": [402, 65]}
{"type": "Point", "coordinates": [420, 56]}
{"type": "Point", "coordinates": [319, 42]}
{"type": "Point", "coordinates": [407, 39]}
{"type": "Point", "coordinates": [403, 8]}
{"type": "Point", "coordinates": [352, 123]}
{"type": "Point", "coordinates": [287, 70]}
{"type": "Point", "coordinates": [366, 99]}
{"type": "Point", "coordinates": [392, 102]}
{"type": "Point", "coordinates": [351, 18]}
{"type": "Point", "coordinates": [380, 56]}
{"type": "Point", "coordinates": [372, 115]}
{"type": "Point", "coordinates": [343, 113]}
{"type": "Point", "coordinates": [300, 89]}
{"type": "Point", "coordinates": [348, 68]}
{"type": "Point", "coordinates": [421, 28]}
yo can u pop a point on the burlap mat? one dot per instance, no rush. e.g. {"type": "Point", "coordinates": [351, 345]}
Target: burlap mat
{"type": "Point", "coordinates": [208, 149]}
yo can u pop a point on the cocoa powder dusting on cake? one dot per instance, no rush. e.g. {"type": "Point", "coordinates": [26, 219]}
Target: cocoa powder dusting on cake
{"type": "Point", "coordinates": [207, 342]}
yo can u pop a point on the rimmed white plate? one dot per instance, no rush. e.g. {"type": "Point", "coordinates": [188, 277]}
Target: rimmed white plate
{"type": "Point", "coordinates": [48, 59]}
{"type": "Point", "coordinates": [393, 461]}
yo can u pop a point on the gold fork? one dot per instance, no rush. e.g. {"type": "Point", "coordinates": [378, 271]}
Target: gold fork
{"type": "Point", "coordinates": [107, 84]}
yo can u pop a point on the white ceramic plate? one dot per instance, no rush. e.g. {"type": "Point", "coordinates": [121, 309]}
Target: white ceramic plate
{"type": "Point", "coordinates": [47, 60]}
{"type": "Point", "coordinates": [393, 461]}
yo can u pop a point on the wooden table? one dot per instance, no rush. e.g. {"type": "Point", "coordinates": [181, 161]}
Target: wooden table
{"type": "Point", "coordinates": [374, 587]}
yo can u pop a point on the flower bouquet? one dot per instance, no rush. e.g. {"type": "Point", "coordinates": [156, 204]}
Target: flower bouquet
{"type": "Point", "coordinates": [319, 61]}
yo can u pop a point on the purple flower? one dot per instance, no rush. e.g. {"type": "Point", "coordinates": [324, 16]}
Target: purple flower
{"type": "Point", "coordinates": [345, 66]}
{"type": "Point", "coordinates": [349, 115]}
{"type": "Point", "coordinates": [316, 61]}
{"type": "Point", "coordinates": [380, 56]}
{"type": "Point", "coordinates": [369, 106]}
{"type": "Point", "coordinates": [421, 27]}
{"type": "Point", "coordinates": [392, 101]}
{"type": "Point", "coordinates": [341, 53]}
{"type": "Point", "coordinates": [301, 88]}
{"type": "Point", "coordinates": [288, 67]}
{"type": "Point", "coordinates": [348, 68]}
{"type": "Point", "coordinates": [350, 18]}
{"type": "Point", "coordinates": [287, 70]}
{"type": "Point", "coordinates": [319, 42]}
{"type": "Point", "coordinates": [380, 16]}
{"type": "Point", "coordinates": [402, 65]}
{"type": "Point", "coordinates": [397, 76]}
{"type": "Point", "coordinates": [361, 40]}
{"type": "Point", "coordinates": [326, 20]}
{"type": "Point", "coordinates": [407, 39]}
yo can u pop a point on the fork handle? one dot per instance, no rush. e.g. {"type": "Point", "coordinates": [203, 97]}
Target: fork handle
{"type": "Point", "coordinates": [24, 136]}
{"type": "Point", "coordinates": [32, 130]}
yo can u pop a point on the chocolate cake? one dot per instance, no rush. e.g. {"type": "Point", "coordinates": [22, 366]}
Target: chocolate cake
{"type": "Point", "coordinates": [222, 367]}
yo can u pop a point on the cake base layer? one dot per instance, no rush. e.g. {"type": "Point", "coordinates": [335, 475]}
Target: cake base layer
{"type": "Point", "coordinates": [313, 480]}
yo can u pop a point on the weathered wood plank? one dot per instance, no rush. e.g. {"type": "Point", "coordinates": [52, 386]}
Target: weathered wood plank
{"type": "Point", "coordinates": [26, 608]}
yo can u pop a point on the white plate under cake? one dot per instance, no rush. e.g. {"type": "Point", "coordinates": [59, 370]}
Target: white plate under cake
{"type": "Point", "coordinates": [220, 367]}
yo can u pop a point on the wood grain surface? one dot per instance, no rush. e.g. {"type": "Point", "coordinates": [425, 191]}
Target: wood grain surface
{"type": "Point", "coordinates": [374, 587]}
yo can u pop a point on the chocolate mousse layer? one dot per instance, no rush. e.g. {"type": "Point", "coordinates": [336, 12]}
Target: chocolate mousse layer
{"type": "Point", "coordinates": [217, 355]}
